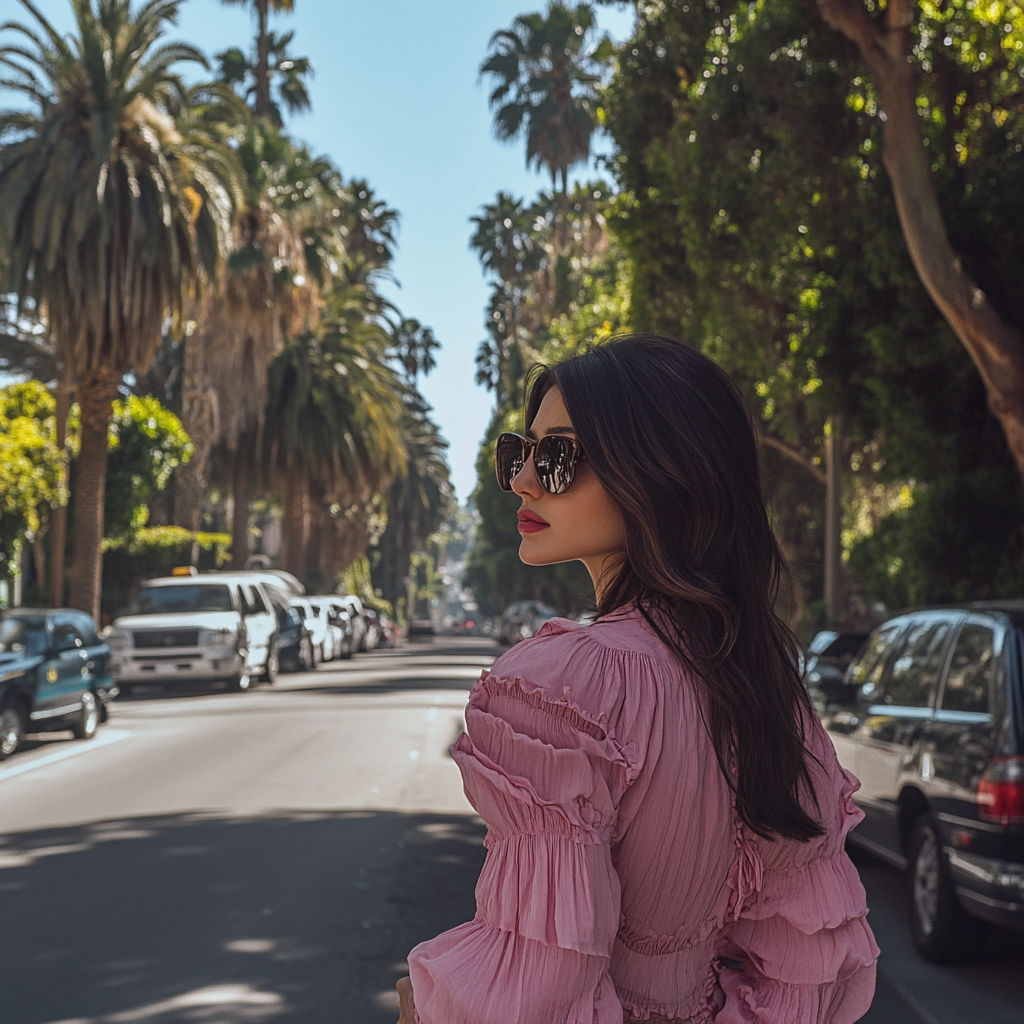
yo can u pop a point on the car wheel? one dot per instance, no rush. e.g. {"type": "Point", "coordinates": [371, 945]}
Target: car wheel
{"type": "Point", "coordinates": [305, 655]}
{"type": "Point", "coordinates": [315, 654]}
{"type": "Point", "coordinates": [943, 932]}
{"type": "Point", "coordinates": [104, 712]}
{"type": "Point", "coordinates": [88, 719]}
{"type": "Point", "coordinates": [270, 669]}
{"type": "Point", "coordinates": [12, 730]}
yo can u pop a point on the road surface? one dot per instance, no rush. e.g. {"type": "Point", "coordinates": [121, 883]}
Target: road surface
{"type": "Point", "coordinates": [272, 856]}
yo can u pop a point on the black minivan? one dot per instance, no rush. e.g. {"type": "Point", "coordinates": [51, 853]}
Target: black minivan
{"type": "Point", "coordinates": [931, 720]}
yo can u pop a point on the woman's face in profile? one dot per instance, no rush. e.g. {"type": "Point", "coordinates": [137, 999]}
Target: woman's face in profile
{"type": "Point", "coordinates": [581, 522]}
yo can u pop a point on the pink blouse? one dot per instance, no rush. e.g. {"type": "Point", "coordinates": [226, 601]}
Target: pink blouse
{"type": "Point", "coordinates": [619, 880]}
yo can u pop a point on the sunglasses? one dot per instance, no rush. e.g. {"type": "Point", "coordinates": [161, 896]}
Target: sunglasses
{"type": "Point", "coordinates": [555, 458]}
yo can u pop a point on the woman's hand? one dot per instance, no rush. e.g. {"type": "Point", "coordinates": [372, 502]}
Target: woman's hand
{"type": "Point", "coordinates": [406, 1008]}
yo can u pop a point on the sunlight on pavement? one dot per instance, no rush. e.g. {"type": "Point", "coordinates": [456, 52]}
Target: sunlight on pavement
{"type": "Point", "coordinates": [255, 1005]}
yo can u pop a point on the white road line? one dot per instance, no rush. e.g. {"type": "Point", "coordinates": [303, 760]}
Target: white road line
{"type": "Point", "coordinates": [104, 739]}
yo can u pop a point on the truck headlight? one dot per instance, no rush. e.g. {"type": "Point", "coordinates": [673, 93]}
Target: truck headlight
{"type": "Point", "coordinates": [217, 637]}
{"type": "Point", "coordinates": [119, 639]}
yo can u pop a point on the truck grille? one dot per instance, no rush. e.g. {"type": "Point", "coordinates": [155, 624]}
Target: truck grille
{"type": "Point", "coordinates": [166, 638]}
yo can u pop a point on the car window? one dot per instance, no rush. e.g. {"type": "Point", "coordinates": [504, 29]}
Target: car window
{"type": "Point", "coordinates": [66, 636]}
{"type": "Point", "coordinates": [22, 635]}
{"type": "Point", "coordinates": [867, 671]}
{"type": "Point", "coordinates": [914, 676]}
{"type": "Point", "coordinates": [86, 628]}
{"type": "Point", "coordinates": [252, 600]}
{"type": "Point", "coordinates": [192, 597]}
{"type": "Point", "coordinates": [971, 671]}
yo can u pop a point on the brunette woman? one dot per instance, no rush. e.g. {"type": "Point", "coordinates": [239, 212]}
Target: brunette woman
{"type": "Point", "coordinates": [666, 815]}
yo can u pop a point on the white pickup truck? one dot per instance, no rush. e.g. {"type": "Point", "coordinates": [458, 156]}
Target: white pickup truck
{"type": "Point", "coordinates": [195, 628]}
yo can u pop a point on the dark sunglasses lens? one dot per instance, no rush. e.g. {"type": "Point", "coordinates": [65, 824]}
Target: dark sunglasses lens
{"type": "Point", "coordinates": [555, 459]}
{"type": "Point", "coordinates": [508, 459]}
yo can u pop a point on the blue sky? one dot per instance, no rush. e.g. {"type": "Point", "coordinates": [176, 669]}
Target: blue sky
{"type": "Point", "coordinates": [396, 100]}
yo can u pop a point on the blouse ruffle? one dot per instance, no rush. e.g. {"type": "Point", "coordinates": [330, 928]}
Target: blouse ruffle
{"type": "Point", "coordinates": [551, 759]}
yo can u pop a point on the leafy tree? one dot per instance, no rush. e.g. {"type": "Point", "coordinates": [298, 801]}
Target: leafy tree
{"type": "Point", "coordinates": [546, 71]}
{"type": "Point", "coordinates": [147, 443]}
{"type": "Point", "coordinates": [31, 469]}
{"type": "Point", "coordinates": [759, 224]}
{"type": "Point", "coordinates": [115, 202]}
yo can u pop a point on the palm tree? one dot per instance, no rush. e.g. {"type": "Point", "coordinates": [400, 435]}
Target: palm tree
{"type": "Point", "coordinates": [419, 500]}
{"type": "Point", "coordinates": [546, 75]}
{"type": "Point", "coordinates": [334, 417]}
{"type": "Point", "coordinates": [115, 201]}
{"type": "Point", "coordinates": [285, 244]}
{"type": "Point", "coordinates": [271, 61]}
{"type": "Point", "coordinates": [244, 74]}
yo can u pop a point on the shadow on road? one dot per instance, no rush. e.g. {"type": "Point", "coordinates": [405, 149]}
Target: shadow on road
{"type": "Point", "coordinates": [293, 917]}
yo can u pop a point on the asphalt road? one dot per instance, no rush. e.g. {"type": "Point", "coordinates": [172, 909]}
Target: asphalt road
{"type": "Point", "coordinates": [272, 856]}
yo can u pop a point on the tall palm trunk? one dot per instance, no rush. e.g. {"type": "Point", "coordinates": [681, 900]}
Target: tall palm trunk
{"type": "Point", "coordinates": [59, 516]}
{"type": "Point", "coordinates": [296, 521]}
{"type": "Point", "coordinates": [262, 59]}
{"type": "Point", "coordinates": [240, 468]}
{"type": "Point", "coordinates": [199, 415]}
{"type": "Point", "coordinates": [97, 390]}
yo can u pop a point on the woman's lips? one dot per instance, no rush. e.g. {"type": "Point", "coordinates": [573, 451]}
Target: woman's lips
{"type": "Point", "coordinates": [530, 522]}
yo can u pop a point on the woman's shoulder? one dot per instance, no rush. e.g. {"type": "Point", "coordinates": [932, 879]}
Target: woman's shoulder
{"type": "Point", "coordinates": [613, 671]}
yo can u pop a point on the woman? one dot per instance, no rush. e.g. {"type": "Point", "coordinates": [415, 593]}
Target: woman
{"type": "Point", "coordinates": [666, 815]}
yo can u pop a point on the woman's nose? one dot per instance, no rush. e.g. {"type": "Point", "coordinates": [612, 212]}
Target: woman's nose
{"type": "Point", "coordinates": [525, 482]}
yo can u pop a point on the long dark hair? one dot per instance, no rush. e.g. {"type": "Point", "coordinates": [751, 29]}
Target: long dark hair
{"type": "Point", "coordinates": [672, 441]}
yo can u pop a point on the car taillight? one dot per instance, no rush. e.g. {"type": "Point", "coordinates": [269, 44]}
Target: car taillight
{"type": "Point", "coordinates": [1001, 791]}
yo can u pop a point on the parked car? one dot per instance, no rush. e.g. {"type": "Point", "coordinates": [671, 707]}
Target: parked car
{"type": "Point", "coordinates": [294, 639]}
{"type": "Point", "coordinates": [374, 629]}
{"type": "Point", "coordinates": [333, 634]}
{"type": "Point", "coordinates": [317, 626]}
{"type": "Point", "coordinates": [931, 721]}
{"type": "Point", "coordinates": [828, 657]}
{"type": "Point", "coordinates": [360, 623]}
{"type": "Point", "coordinates": [521, 619]}
{"type": "Point", "coordinates": [196, 628]}
{"type": "Point", "coordinates": [54, 675]}
{"type": "Point", "coordinates": [340, 619]}
{"type": "Point", "coordinates": [421, 627]}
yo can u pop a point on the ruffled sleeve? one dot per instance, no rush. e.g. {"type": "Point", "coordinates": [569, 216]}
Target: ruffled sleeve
{"type": "Point", "coordinates": [797, 947]}
{"type": "Point", "coordinates": [545, 776]}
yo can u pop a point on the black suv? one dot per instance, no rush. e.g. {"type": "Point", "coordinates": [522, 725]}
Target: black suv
{"type": "Point", "coordinates": [931, 720]}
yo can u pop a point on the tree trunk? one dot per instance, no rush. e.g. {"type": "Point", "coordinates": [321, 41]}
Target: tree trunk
{"type": "Point", "coordinates": [199, 417]}
{"type": "Point", "coordinates": [296, 521]}
{"type": "Point", "coordinates": [240, 513]}
{"type": "Point", "coordinates": [262, 60]}
{"type": "Point", "coordinates": [59, 517]}
{"type": "Point", "coordinates": [833, 520]}
{"type": "Point", "coordinates": [97, 390]}
{"type": "Point", "coordinates": [995, 347]}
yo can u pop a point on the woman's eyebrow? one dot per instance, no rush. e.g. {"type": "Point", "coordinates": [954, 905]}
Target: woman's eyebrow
{"type": "Point", "coordinates": [551, 430]}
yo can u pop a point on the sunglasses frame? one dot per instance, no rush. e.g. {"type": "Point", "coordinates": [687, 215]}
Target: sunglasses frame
{"type": "Point", "coordinates": [528, 447]}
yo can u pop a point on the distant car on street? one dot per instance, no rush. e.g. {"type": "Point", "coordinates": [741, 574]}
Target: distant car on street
{"type": "Point", "coordinates": [54, 674]}
{"type": "Point", "coordinates": [931, 720]}
{"type": "Point", "coordinates": [316, 623]}
{"type": "Point", "coordinates": [340, 618]}
{"type": "Point", "coordinates": [521, 619]}
{"type": "Point", "coordinates": [360, 622]}
{"type": "Point", "coordinates": [191, 628]}
{"type": "Point", "coordinates": [828, 657]}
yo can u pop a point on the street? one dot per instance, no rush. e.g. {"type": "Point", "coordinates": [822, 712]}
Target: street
{"type": "Point", "coordinates": [273, 855]}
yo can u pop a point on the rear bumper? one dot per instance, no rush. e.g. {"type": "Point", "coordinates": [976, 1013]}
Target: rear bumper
{"type": "Point", "coordinates": [990, 889]}
{"type": "Point", "coordinates": [137, 666]}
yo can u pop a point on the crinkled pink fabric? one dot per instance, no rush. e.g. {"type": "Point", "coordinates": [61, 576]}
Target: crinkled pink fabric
{"type": "Point", "coordinates": [618, 881]}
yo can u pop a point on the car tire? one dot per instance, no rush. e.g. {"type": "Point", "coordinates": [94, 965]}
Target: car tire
{"type": "Point", "coordinates": [943, 932]}
{"type": "Point", "coordinates": [104, 712]}
{"type": "Point", "coordinates": [305, 659]}
{"type": "Point", "coordinates": [12, 730]}
{"type": "Point", "coordinates": [315, 654]}
{"type": "Point", "coordinates": [87, 720]}
{"type": "Point", "coordinates": [272, 667]}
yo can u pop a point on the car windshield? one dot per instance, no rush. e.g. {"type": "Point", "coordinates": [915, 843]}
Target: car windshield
{"type": "Point", "coordinates": [187, 597]}
{"type": "Point", "coordinates": [22, 636]}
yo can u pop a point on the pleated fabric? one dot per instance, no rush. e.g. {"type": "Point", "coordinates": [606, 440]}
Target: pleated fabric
{"type": "Point", "coordinates": [619, 884]}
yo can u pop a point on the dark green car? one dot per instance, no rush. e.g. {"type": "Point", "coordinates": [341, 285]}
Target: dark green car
{"type": "Point", "coordinates": [54, 674]}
